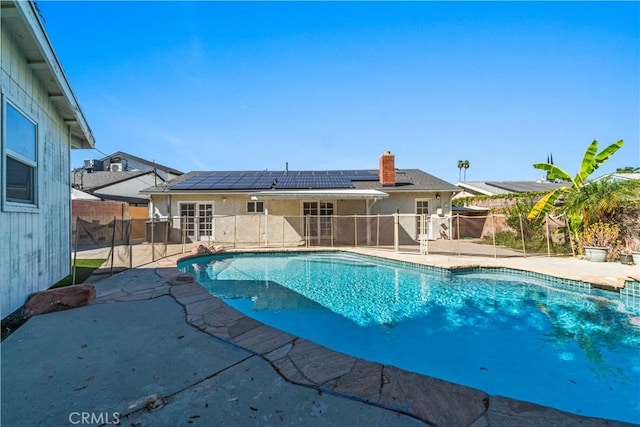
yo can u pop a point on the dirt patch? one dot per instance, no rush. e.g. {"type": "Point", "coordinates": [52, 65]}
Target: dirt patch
{"type": "Point", "coordinates": [12, 322]}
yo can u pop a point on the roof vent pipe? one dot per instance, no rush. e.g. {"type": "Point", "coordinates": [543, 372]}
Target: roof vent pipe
{"type": "Point", "coordinates": [286, 167]}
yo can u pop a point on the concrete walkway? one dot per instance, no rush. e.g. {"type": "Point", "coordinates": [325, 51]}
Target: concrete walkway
{"type": "Point", "coordinates": [155, 349]}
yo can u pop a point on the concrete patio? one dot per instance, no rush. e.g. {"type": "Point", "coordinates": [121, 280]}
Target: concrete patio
{"type": "Point", "coordinates": [155, 349]}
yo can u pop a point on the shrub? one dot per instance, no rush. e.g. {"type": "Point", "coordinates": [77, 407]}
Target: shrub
{"type": "Point", "coordinates": [602, 235]}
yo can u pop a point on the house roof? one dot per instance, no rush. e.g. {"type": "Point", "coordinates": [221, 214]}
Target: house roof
{"type": "Point", "coordinates": [505, 187]}
{"type": "Point", "coordinates": [619, 176]}
{"type": "Point", "coordinates": [92, 181]}
{"type": "Point", "coordinates": [251, 181]}
{"type": "Point", "coordinates": [22, 19]}
{"type": "Point", "coordinates": [141, 160]}
{"type": "Point", "coordinates": [128, 199]}
{"type": "Point", "coordinates": [81, 195]}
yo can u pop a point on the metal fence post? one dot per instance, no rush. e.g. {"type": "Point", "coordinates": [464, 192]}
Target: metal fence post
{"type": "Point", "coordinates": [332, 227]}
{"type": "Point", "coordinates": [396, 234]}
{"type": "Point", "coordinates": [524, 248]}
{"type": "Point", "coordinates": [355, 229]}
{"type": "Point", "coordinates": [75, 251]}
{"type": "Point", "coordinates": [113, 243]}
{"type": "Point", "coordinates": [130, 231]}
{"type": "Point", "coordinates": [458, 227]}
{"type": "Point", "coordinates": [235, 229]}
{"type": "Point", "coordinates": [183, 231]}
{"type": "Point", "coordinates": [153, 245]}
{"type": "Point", "coordinates": [493, 224]}
{"type": "Point", "coordinates": [546, 220]}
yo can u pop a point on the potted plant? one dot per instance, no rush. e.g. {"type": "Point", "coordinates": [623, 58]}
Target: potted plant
{"type": "Point", "coordinates": [600, 241]}
{"type": "Point", "coordinates": [635, 253]}
{"type": "Point", "coordinates": [626, 254]}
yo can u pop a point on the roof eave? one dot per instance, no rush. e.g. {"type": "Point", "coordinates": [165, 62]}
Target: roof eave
{"type": "Point", "coordinates": [65, 101]}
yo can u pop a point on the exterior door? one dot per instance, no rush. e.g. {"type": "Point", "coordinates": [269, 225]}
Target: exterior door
{"type": "Point", "coordinates": [423, 206]}
{"type": "Point", "coordinates": [318, 226]}
{"type": "Point", "coordinates": [197, 220]}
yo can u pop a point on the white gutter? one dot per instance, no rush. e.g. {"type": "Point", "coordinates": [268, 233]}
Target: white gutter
{"type": "Point", "coordinates": [318, 194]}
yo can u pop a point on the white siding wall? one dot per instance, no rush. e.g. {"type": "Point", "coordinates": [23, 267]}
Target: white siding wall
{"type": "Point", "coordinates": [35, 251]}
{"type": "Point", "coordinates": [130, 187]}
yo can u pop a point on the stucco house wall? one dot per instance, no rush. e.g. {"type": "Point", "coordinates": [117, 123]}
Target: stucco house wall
{"type": "Point", "coordinates": [232, 222]}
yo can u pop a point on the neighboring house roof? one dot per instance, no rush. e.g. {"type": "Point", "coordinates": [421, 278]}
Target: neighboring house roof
{"type": "Point", "coordinates": [81, 195]}
{"type": "Point", "coordinates": [22, 19]}
{"type": "Point", "coordinates": [129, 199]}
{"type": "Point", "coordinates": [141, 160]}
{"type": "Point", "coordinates": [92, 181]}
{"type": "Point", "coordinates": [491, 188]}
{"type": "Point", "coordinates": [251, 181]}
{"type": "Point", "coordinates": [619, 176]}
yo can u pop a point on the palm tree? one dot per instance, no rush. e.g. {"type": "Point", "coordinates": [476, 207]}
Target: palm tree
{"type": "Point", "coordinates": [602, 201]}
{"type": "Point", "coordinates": [465, 165]}
{"type": "Point", "coordinates": [590, 162]}
{"type": "Point", "coordinates": [460, 166]}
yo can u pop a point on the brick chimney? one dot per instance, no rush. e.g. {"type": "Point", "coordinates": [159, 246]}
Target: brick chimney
{"type": "Point", "coordinates": [387, 169]}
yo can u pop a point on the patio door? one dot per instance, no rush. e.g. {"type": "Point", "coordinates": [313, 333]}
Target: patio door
{"type": "Point", "coordinates": [197, 220]}
{"type": "Point", "coordinates": [423, 207]}
{"type": "Point", "coordinates": [318, 226]}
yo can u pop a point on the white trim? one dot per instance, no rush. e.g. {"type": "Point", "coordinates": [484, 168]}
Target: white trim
{"type": "Point", "coordinates": [196, 218]}
{"type": "Point", "coordinates": [318, 194]}
{"type": "Point", "coordinates": [10, 205]}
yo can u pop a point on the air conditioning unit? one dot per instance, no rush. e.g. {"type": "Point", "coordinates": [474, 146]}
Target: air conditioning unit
{"type": "Point", "coordinates": [115, 167]}
{"type": "Point", "coordinates": [93, 165]}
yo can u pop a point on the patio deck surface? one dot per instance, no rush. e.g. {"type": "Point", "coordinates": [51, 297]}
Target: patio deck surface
{"type": "Point", "coordinates": [155, 349]}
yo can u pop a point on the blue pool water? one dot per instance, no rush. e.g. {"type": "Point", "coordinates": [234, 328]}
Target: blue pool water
{"type": "Point", "coordinates": [506, 334]}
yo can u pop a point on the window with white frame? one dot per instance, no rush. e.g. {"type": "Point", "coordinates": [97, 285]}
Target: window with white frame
{"type": "Point", "coordinates": [255, 207]}
{"type": "Point", "coordinates": [20, 156]}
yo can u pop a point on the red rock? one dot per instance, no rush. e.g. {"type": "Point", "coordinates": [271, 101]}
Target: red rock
{"type": "Point", "coordinates": [58, 299]}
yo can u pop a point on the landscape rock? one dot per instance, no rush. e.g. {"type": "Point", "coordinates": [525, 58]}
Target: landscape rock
{"type": "Point", "coordinates": [206, 250]}
{"type": "Point", "coordinates": [58, 299]}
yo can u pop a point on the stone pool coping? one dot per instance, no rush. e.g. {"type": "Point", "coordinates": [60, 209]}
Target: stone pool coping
{"type": "Point", "coordinates": [299, 361]}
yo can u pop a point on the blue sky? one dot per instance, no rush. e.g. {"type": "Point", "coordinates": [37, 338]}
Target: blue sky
{"type": "Point", "coordinates": [252, 85]}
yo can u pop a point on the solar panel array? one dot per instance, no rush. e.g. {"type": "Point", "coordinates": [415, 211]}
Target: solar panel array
{"type": "Point", "coordinates": [280, 180]}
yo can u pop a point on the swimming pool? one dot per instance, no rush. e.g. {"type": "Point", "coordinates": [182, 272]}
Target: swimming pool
{"type": "Point", "coordinates": [522, 337]}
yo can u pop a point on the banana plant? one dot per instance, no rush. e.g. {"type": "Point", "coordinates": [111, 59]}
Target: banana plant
{"type": "Point", "coordinates": [590, 162]}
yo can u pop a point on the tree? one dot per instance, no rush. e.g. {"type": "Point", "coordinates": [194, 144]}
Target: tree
{"type": "Point", "coordinates": [628, 169]}
{"type": "Point", "coordinates": [590, 162]}
{"type": "Point", "coordinates": [465, 165]}
{"type": "Point", "coordinates": [602, 200]}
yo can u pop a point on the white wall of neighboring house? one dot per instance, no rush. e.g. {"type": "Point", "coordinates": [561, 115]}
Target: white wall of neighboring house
{"type": "Point", "coordinates": [131, 187]}
{"type": "Point", "coordinates": [133, 164]}
{"type": "Point", "coordinates": [35, 250]}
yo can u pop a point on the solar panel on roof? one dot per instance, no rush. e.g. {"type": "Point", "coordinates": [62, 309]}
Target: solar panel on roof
{"type": "Point", "coordinates": [312, 181]}
{"type": "Point", "coordinates": [260, 180]}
